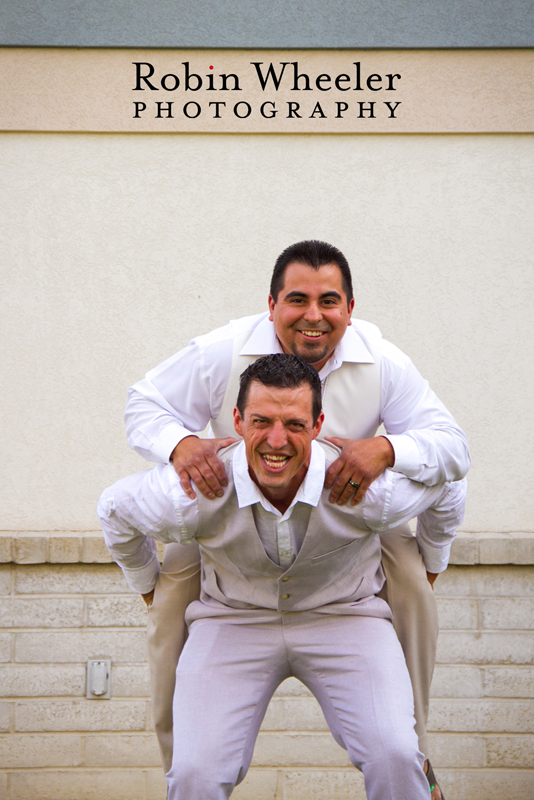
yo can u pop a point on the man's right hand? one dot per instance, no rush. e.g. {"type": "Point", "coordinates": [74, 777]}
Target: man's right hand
{"type": "Point", "coordinates": [196, 460]}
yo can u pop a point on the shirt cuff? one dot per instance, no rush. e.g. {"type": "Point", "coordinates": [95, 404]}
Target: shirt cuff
{"type": "Point", "coordinates": [143, 579]}
{"type": "Point", "coordinates": [407, 458]}
{"type": "Point", "coordinates": [436, 559]}
{"type": "Point", "coordinates": [170, 436]}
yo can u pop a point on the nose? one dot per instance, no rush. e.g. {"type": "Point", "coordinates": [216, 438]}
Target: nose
{"type": "Point", "coordinates": [313, 313]}
{"type": "Point", "coordinates": [277, 436]}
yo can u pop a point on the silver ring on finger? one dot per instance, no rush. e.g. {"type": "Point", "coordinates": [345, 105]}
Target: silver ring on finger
{"type": "Point", "coordinates": [354, 485]}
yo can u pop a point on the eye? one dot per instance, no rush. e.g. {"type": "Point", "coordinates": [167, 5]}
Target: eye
{"type": "Point", "coordinates": [296, 426]}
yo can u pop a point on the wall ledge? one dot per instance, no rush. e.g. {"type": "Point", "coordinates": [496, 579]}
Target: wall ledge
{"type": "Point", "coordinates": [514, 547]}
{"type": "Point", "coordinates": [56, 547]}
{"type": "Point", "coordinates": [87, 547]}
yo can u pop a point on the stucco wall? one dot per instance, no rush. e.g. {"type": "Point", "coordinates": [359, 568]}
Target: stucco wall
{"type": "Point", "coordinates": [118, 249]}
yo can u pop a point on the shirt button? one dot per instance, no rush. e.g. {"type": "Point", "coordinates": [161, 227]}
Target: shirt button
{"type": "Point", "coordinates": [285, 597]}
{"type": "Point", "coordinates": [284, 580]}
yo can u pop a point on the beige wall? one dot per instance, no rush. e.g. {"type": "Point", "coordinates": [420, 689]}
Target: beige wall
{"type": "Point", "coordinates": [118, 248]}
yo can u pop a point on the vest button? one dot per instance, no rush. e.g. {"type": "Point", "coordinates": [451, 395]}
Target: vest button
{"type": "Point", "coordinates": [285, 597]}
{"type": "Point", "coordinates": [285, 579]}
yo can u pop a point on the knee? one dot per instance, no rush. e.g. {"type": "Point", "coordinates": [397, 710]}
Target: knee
{"type": "Point", "coordinates": [199, 776]}
{"type": "Point", "coordinates": [401, 753]}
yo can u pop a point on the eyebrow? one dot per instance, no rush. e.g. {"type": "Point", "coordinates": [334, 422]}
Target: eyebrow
{"type": "Point", "coordinates": [298, 420]}
{"type": "Point", "coordinates": [296, 293]}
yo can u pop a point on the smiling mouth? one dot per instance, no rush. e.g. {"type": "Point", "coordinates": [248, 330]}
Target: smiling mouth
{"type": "Point", "coordinates": [313, 334]}
{"type": "Point", "coordinates": [274, 462]}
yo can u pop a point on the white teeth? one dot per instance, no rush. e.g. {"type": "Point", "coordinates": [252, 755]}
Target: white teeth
{"type": "Point", "coordinates": [315, 334]}
{"type": "Point", "coordinates": [275, 459]}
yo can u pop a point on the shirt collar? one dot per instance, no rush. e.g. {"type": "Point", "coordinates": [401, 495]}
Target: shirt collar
{"type": "Point", "coordinates": [263, 341]}
{"type": "Point", "coordinates": [309, 491]}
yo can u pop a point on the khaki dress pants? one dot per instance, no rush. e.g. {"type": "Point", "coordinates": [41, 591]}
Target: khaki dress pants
{"type": "Point", "coordinates": [407, 591]}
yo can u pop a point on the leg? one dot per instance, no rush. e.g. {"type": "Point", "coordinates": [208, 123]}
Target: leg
{"type": "Point", "coordinates": [178, 585]}
{"type": "Point", "coordinates": [415, 616]}
{"type": "Point", "coordinates": [226, 676]}
{"type": "Point", "coordinates": [355, 667]}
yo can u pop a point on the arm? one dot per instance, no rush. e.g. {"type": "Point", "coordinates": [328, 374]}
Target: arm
{"type": "Point", "coordinates": [139, 509]}
{"type": "Point", "coordinates": [429, 445]}
{"type": "Point", "coordinates": [178, 398]}
{"type": "Point", "coordinates": [422, 441]}
{"type": "Point", "coordinates": [394, 499]}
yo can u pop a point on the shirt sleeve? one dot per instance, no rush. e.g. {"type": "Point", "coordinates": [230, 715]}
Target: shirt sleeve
{"type": "Point", "coordinates": [429, 445]}
{"type": "Point", "coordinates": [140, 509]}
{"type": "Point", "coordinates": [179, 397]}
{"type": "Point", "coordinates": [393, 500]}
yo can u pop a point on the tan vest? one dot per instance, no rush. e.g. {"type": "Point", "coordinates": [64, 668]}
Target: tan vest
{"type": "Point", "coordinates": [351, 396]}
{"type": "Point", "coordinates": [337, 569]}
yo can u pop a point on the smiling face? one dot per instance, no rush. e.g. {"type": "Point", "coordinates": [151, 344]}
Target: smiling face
{"type": "Point", "coordinates": [278, 429]}
{"type": "Point", "coordinates": [311, 312]}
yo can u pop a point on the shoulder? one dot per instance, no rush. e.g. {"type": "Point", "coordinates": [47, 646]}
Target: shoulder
{"type": "Point", "coordinates": [226, 455]}
{"type": "Point", "coordinates": [331, 452]}
{"type": "Point", "coordinates": [227, 332]}
{"type": "Point", "coordinates": [372, 336]}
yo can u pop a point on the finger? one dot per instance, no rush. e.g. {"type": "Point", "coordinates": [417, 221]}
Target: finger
{"type": "Point", "coordinates": [333, 471]}
{"type": "Point", "coordinates": [335, 440]}
{"type": "Point", "coordinates": [226, 442]}
{"type": "Point", "coordinates": [204, 478]}
{"type": "Point", "coordinates": [340, 486]}
{"type": "Point", "coordinates": [185, 482]}
{"type": "Point", "coordinates": [348, 492]}
{"type": "Point", "coordinates": [218, 471]}
{"type": "Point", "coordinates": [360, 494]}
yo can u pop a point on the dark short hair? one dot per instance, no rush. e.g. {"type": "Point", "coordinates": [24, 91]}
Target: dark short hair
{"type": "Point", "coordinates": [315, 254]}
{"type": "Point", "coordinates": [285, 371]}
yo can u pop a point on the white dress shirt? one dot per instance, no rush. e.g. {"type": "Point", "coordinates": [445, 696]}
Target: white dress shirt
{"type": "Point", "coordinates": [181, 395]}
{"type": "Point", "coordinates": [152, 505]}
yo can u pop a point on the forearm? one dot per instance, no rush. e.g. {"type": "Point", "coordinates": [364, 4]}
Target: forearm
{"type": "Point", "coordinates": [152, 431]}
{"type": "Point", "coordinates": [437, 525]}
{"type": "Point", "coordinates": [393, 500]}
{"type": "Point", "coordinates": [429, 445]}
{"type": "Point", "coordinates": [432, 456]}
{"type": "Point", "coordinates": [177, 398]}
{"type": "Point", "coordinates": [139, 509]}
{"type": "Point", "coordinates": [134, 552]}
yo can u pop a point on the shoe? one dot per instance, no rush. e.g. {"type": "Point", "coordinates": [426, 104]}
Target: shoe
{"type": "Point", "coordinates": [431, 778]}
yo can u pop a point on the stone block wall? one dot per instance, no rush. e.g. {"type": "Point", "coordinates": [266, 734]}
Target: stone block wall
{"type": "Point", "coordinates": [62, 602]}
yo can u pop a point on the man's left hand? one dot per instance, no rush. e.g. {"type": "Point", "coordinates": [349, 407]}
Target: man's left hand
{"type": "Point", "coordinates": [361, 461]}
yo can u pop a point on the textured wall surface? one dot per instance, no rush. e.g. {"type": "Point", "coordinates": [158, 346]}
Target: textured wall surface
{"type": "Point", "coordinates": [250, 23]}
{"type": "Point", "coordinates": [61, 603]}
{"type": "Point", "coordinates": [118, 249]}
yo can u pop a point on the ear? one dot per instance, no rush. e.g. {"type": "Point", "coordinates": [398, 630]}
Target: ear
{"type": "Point", "coordinates": [351, 309]}
{"type": "Point", "coordinates": [271, 307]}
{"type": "Point", "coordinates": [238, 422]}
{"type": "Point", "coordinates": [318, 425]}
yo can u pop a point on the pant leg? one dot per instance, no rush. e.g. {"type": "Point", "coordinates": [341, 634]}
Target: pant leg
{"type": "Point", "coordinates": [415, 616]}
{"type": "Point", "coordinates": [227, 673]}
{"type": "Point", "coordinates": [178, 585]}
{"type": "Point", "coordinates": [356, 669]}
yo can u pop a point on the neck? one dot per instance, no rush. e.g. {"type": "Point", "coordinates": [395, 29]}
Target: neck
{"type": "Point", "coordinates": [281, 497]}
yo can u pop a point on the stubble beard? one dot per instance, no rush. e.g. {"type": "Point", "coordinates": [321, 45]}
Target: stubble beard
{"type": "Point", "coordinates": [310, 353]}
